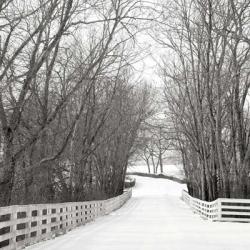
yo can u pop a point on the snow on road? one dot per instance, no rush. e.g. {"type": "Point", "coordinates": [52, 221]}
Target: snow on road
{"type": "Point", "coordinates": [154, 219]}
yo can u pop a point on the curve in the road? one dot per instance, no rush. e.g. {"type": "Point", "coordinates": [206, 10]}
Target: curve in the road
{"type": "Point", "coordinates": [153, 219]}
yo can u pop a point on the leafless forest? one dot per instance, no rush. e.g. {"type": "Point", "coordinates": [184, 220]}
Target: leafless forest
{"type": "Point", "coordinates": [207, 93]}
{"type": "Point", "coordinates": [73, 110]}
{"type": "Point", "coordinates": [69, 107]}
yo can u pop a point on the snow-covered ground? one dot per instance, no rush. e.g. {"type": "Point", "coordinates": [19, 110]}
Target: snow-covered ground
{"type": "Point", "coordinates": [153, 219]}
{"type": "Point", "coordinates": [170, 170]}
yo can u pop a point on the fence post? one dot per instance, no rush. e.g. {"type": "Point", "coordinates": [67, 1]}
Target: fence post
{"type": "Point", "coordinates": [219, 209]}
{"type": "Point", "coordinates": [191, 204]}
{"type": "Point", "coordinates": [13, 227]}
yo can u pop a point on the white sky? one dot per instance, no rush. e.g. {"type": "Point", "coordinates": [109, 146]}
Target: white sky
{"type": "Point", "coordinates": [147, 67]}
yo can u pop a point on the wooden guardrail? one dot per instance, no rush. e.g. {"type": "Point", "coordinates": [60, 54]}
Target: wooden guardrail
{"type": "Point", "coordinates": [129, 182]}
{"type": "Point", "coordinates": [205, 209]}
{"type": "Point", "coordinates": [21, 226]}
{"type": "Point", "coordinates": [221, 209]}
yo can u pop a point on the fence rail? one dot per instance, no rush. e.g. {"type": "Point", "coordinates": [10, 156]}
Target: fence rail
{"type": "Point", "coordinates": [21, 226]}
{"type": "Point", "coordinates": [221, 209]}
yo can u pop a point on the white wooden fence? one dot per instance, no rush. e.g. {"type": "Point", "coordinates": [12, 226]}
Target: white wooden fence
{"type": "Point", "coordinates": [21, 226]}
{"type": "Point", "coordinates": [221, 209]}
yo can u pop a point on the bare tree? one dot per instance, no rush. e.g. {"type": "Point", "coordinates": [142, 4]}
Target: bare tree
{"type": "Point", "coordinates": [206, 93]}
{"type": "Point", "coordinates": [61, 62]}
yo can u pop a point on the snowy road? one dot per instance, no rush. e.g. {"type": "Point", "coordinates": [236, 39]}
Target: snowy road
{"type": "Point", "coordinates": [154, 219]}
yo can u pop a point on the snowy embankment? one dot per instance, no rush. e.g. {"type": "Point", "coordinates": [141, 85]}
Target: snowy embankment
{"type": "Point", "coordinates": [163, 176]}
{"type": "Point", "coordinates": [154, 219]}
{"type": "Point", "coordinates": [168, 170]}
